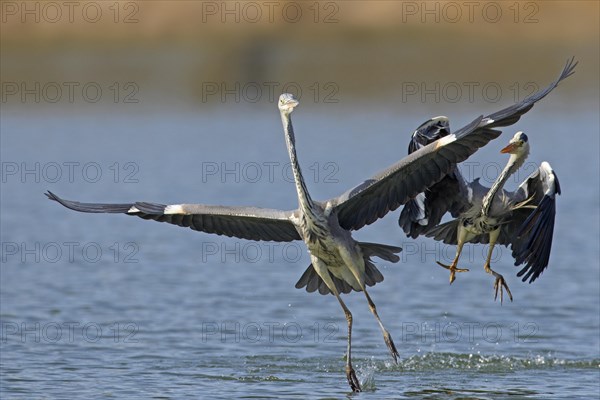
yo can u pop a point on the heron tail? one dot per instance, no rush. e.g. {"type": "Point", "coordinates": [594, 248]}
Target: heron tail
{"type": "Point", "coordinates": [313, 282]}
{"type": "Point", "coordinates": [383, 251]}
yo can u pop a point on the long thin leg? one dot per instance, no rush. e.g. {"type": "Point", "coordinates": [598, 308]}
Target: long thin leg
{"type": "Point", "coordinates": [350, 374]}
{"type": "Point", "coordinates": [452, 267]}
{"type": "Point", "coordinates": [386, 335]}
{"type": "Point", "coordinates": [500, 282]}
{"type": "Point", "coordinates": [353, 266]}
{"type": "Point", "coordinates": [324, 274]}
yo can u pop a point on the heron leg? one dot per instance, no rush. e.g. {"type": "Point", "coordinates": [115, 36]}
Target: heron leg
{"type": "Point", "coordinates": [323, 272]}
{"type": "Point", "coordinates": [350, 374]}
{"type": "Point", "coordinates": [356, 265]}
{"type": "Point", "coordinates": [386, 335]}
{"type": "Point", "coordinates": [500, 283]}
{"type": "Point", "coordinates": [459, 247]}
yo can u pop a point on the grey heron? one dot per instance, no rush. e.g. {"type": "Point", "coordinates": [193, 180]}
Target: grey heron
{"type": "Point", "coordinates": [339, 263]}
{"type": "Point", "coordinates": [423, 213]}
{"type": "Point", "coordinates": [426, 210]}
{"type": "Point", "coordinates": [523, 219]}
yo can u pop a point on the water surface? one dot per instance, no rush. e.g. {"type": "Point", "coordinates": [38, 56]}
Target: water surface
{"type": "Point", "coordinates": [147, 310]}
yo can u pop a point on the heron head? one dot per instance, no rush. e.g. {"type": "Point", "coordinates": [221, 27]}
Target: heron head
{"type": "Point", "coordinates": [441, 121]}
{"type": "Point", "coordinates": [287, 103]}
{"type": "Point", "coordinates": [519, 144]}
{"type": "Point", "coordinates": [437, 123]}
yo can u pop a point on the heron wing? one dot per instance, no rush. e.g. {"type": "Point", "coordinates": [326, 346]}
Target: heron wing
{"type": "Point", "coordinates": [446, 232]}
{"type": "Point", "coordinates": [426, 133]}
{"type": "Point", "coordinates": [512, 114]}
{"type": "Point", "coordinates": [424, 212]}
{"type": "Point", "coordinates": [532, 230]}
{"type": "Point", "coordinates": [386, 191]}
{"type": "Point", "coordinates": [242, 222]}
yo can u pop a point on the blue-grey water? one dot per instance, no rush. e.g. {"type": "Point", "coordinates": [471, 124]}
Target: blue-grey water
{"type": "Point", "coordinates": [110, 306]}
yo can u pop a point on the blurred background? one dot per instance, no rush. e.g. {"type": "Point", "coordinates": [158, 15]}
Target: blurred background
{"type": "Point", "coordinates": [175, 52]}
{"type": "Point", "coordinates": [175, 101]}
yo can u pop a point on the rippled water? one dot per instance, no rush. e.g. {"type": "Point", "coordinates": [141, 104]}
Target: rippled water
{"type": "Point", "coordinates": [140, 309]}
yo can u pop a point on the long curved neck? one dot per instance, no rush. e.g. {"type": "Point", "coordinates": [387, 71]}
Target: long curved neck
{"type": "Point", "coordinates": [304, 200]}
{"type": "Point", "coordinates": [514, 163]}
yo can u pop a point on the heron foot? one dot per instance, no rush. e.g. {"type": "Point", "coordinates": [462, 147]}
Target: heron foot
{"type": "Point", "coordinates": [498, 285]}
{"type": "Point", "coordinates": [352, 379]}
{"type": "Point", "coordinates": [391, 346]}
{"type": "Point", "coordinates": [453, 270]}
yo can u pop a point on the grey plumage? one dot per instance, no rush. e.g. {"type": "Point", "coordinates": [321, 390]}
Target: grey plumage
{"type": "Point", "coordinates": [397, 184]}
{"type": "Point", "coordinates": [339, 263]}
{"type": "Point", "coordinates": [251, 223]}
{"type": "Point", "coordinates": [426, 210]}
{"type": "Point", "coordinates": [359, 206]}
{"type": "Point", "coordinates": [522, 220]}
{"type": "Point", "coordinates": [311, 280]}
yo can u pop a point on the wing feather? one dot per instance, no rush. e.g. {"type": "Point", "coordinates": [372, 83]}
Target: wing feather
{"type": "Point", "coordinates": [448, 195]}
{"type": "Point", "coordinates": [532, 243]}
{"type": "Point", "coordinates": [251, 223]}
{"type": "Point", "coordinates": [386, 191]}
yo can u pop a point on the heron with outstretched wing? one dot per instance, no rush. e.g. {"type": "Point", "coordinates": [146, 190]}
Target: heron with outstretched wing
{"type": "Point", "coordinates": [523, 219]}
{"type": "Point", "coordinates": [451, 194]}
{"type": "Point", "coordinates": [340, 264]}
{"type": "Point", "coordinates": [426, 210]}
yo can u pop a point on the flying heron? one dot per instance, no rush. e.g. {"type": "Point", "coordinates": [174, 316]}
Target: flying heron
{"type": "Point", "coordinates": [423, 213]}
{"type": "Point", "coordinates": [340, 264]}
{"type": "Point", "coordinates": [523, 219]}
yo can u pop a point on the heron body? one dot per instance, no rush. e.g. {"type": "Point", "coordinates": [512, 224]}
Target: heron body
{"type": "Point", "coordinates": [523, 220]}
{"type": "Point", "coordinates": [332, 248]}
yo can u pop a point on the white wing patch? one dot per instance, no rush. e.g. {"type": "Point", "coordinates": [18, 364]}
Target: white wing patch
{"type": "Point", "coordinates": [546, 167]}
{"type": "Point", "coordinates": [133, 210]}
{"type": "Point", "coordinates": [445, 141]}
{"type": "Point", "coordinates": [420, 200]}
{"type": "Point", "coordinates": [174, 209]}
{"type": "Point", "coordinates": [470, 194]}
{"type": "Point", "coordinates": [548, 178]}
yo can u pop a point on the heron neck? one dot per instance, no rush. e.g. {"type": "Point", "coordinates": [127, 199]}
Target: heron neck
{"type": "Point", "coordinates": [304, 199]}
{"type": "Point", "coordinates": [514, 163]}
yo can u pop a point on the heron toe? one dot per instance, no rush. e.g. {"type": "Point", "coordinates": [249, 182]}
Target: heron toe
{"type": "Point", "coordinates": [352, 379]}
{"type": "Point", "coordinates": [499, 284]}
{"type": "Point", "coordinates": [391, 346]}
{"type": "Point", "coordinates": [453, 270]}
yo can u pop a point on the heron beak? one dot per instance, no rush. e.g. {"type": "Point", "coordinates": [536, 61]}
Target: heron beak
{"type": "Point", "coordinates": [290, 105]}
{"type": "Point", "coordinates": [509, 149]}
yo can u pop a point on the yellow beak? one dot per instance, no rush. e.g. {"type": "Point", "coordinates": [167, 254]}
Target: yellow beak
{"type": "Point", "coordinates": [509, 149]}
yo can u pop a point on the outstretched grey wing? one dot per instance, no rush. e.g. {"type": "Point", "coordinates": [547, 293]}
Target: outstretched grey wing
{"type": "Point", "coordinates": [402, 181]}
{"type": "Point", "coordinates": [512, 114]}
{"type": "Point", "coordinates": [242, 222]}
{"type": "Point", "coordinates": [423, 213]}
{"type": "Point", "coordinates": [532, 241]}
